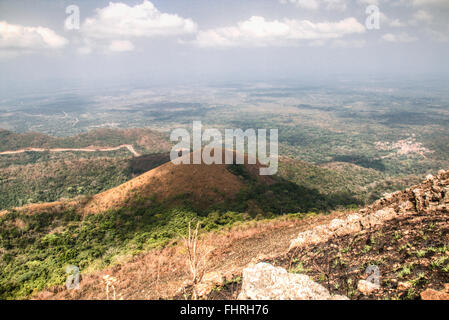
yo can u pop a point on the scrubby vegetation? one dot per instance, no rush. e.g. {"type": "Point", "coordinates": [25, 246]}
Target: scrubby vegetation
{"type": "Point", "coordinates": [280, 196]}
{"type": "Point", "coordinates": [340, 179]}
{"type": "Point", "coordinates": [285, 197]}
{"type": "Point", "coordinates": [37, 248]}
{"type": "Point", "coordinates": [50, 177]}
{"type": "Point", "coordinates": [51, 180]}
{"type": "Point", "coordinates": [145, 140]}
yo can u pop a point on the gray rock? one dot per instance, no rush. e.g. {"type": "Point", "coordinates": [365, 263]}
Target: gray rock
{"type": "Point", "coordinates": [266, 282]}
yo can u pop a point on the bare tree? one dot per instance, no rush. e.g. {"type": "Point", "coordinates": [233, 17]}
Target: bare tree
{"type": "Point", "coordinates": [197, 255]}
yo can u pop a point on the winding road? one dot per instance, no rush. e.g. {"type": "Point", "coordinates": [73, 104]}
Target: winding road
{"type": "Point", "coordinates": [88, 149]}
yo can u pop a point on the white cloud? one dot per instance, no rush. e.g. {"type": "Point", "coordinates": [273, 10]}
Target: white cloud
{"type": "Point", "coordinates": [399, 37]}
{"type": "Point", "coordinates": [20, 39]}
{"type": "Point", "coordinates": [421, 16]}
{"type": "Point", "coordinates": [143, 20]}
{"type": "Point", "coordinates": [121, 46]}
{"type": "Point", "coordinates": [121, 22]}
{"type": "Point", "coordinates": [395, 23]}
{"type": "Point", "coordinates": [316, 4]}
{"type": "Point", "coordinates": [259, 32]}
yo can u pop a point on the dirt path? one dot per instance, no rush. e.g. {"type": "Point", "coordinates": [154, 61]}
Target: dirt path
{"type": "Point", "coordinates": [88, 149]}
{"type": "Point", "coordinates": [274, 240]}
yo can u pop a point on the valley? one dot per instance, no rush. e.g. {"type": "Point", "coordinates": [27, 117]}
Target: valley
{"type": "Point", "coordinates": [109, 200]}
{"type": "Point", "coordinates": [186, 152]}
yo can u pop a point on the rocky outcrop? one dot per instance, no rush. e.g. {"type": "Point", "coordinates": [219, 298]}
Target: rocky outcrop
{"type": "Point", "coordinates": [212, 280]}
{"type": "Point", "coordinates": [431, 294]}
{"type": "Point", "coordinates": [430, 196]}
{"type": "Point", "coordinates": [263, 281]}
{"type": "Point", "coordinates": [367, 287]}
{"type": "Point", "coordinates": [266, 282]}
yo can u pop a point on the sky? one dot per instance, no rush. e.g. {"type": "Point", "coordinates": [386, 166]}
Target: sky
{"type": "Point", "coordinates": [192, 41]}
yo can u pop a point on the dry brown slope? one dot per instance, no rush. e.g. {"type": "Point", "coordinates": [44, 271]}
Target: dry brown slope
{"type": "Point", "coordinates": [168, 181]}
{"type": "Point", "coordinates": [203, 183]}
